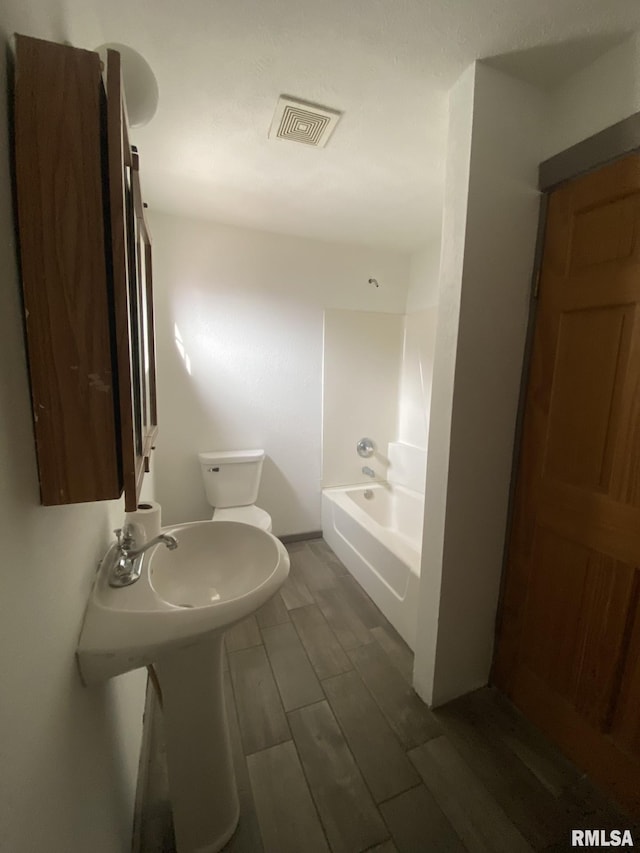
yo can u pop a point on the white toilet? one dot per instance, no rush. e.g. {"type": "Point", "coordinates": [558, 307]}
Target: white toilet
{"type": "Point", "coordinates": [231, 481]}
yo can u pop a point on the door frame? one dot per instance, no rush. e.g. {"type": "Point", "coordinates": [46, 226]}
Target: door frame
{"type": "Point", "coordinates": [589, 154]}
{"type": "Point", "coordinates": [602, 148]}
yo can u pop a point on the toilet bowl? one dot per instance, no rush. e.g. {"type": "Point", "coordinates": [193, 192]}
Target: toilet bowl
{"type": "Point", "coordinates": [231, 481]}
{"type": "Point", "coordinates": [247, 514]}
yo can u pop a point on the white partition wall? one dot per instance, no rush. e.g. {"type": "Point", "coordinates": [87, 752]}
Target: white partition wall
{"type": "Point", "coordinates": [416, 377]}
{"type": "Point", "coordinates": [489, 231]}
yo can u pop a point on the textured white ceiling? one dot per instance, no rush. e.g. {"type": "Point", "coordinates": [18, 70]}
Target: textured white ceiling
{"type": "Point", "coordinates": [221, 65]}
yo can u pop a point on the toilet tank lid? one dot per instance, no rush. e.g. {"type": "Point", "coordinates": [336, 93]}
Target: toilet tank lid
{"type": "Point", "coordinates": [226, 456]}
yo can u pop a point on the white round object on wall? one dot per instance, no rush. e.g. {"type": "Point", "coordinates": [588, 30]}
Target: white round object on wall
{"type": "Point", "coordinates": [139, 81]}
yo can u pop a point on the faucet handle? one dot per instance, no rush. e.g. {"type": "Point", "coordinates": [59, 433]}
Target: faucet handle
{"type": "Point", "coordinates": [365, 447]}
{"type": "Point", "coordinates": [126, 537]}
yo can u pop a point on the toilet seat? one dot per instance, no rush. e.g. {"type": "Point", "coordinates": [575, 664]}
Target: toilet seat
{"type": "Point", "coordinates": [246, 514]}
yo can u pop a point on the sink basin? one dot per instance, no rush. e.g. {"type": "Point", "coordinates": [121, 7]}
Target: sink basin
{"type": "Point", "coordinates": [221, 572]}
{"type": "Point", "coordinates": [173, 619]}
{"type": "Point", "coordinates": [217, 565]}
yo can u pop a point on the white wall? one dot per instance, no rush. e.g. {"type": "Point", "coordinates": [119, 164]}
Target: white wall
{"type": "Point", "coordinates": [68, 755]}
{"type": "Point", "coordinates": [598, 96]}
{"type": "Point", "coordinates": [456, 191]}
{"type": "Point", "coordinates": [424, 276]}
{"type": "Point", "coordinates": [418, 347]}
{"type": "Point", "coordinates": [249, 309]}
{"type": "Point", "coordinates": [489, 231]}
{"type": "Point", "coordinates": [362, 358]}
{"type": "Point", "coordinates": [416, 377]}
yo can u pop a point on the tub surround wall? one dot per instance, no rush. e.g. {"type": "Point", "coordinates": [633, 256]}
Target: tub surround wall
{"type": "Point", "coordinates": [362, 358]}
{"type": "Point", "coordinates": [239, 326]}
{"type": "Point", "coordinates": [69, 754]}
{"type": "Point", "coordinates": [407, 466]}
{"type": "Point", "coordinates": [377, 379]}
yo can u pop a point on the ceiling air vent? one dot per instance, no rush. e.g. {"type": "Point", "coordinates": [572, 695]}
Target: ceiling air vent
{"type": "Point", "coordinates": [301, 121]}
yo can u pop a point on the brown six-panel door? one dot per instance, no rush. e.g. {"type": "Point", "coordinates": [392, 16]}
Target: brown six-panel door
{"type": "Point", "coordinates": [568, 650]}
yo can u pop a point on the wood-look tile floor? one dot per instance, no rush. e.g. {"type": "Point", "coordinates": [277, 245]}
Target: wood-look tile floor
{"type": "Point", "coordinates": [335, 752]}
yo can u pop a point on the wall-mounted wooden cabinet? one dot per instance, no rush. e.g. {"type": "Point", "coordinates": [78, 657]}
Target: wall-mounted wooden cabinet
{"type": "Point", "coordinates": [85, 254]}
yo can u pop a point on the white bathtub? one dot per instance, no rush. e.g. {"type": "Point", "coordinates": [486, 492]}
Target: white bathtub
{"type": "Point", "coordinates": [379, 540]}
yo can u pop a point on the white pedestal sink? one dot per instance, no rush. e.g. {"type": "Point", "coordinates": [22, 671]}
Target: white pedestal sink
{"type": "Point", "coordinates": [174, 618]}
{"type": "Point", "coordinates": [204, 797]}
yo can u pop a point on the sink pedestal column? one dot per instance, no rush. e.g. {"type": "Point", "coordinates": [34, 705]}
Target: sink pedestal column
{"type": "Point", "coordinates": [202, 782]}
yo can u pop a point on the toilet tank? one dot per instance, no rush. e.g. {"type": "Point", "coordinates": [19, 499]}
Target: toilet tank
{"type": "Point", "coordinates": [231, 477]}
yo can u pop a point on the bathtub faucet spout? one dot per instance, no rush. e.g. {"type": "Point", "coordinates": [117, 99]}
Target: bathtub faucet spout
{"type": "Point", "coordinates": [368, 471]}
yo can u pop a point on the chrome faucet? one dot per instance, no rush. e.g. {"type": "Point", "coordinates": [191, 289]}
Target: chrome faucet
{"type": "Point", "coordinates": [368, 471]}
{"type": "Point", "coordinates": [128, 558]}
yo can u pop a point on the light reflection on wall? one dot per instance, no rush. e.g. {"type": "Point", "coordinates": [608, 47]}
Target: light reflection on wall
{"type": "Point", "coordinates": [247, 308]}
{"type": "Point", "coordinates": [184, 355]}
